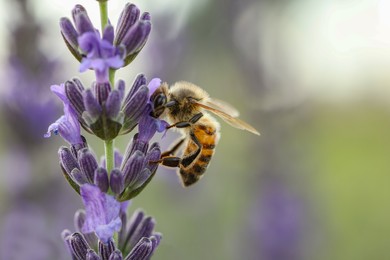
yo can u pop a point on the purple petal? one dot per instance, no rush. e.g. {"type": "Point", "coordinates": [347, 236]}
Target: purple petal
{"type": "Point", "coordinates": [54, 127]}
{"type": "Point", "coordinates": [153, 85]}
{"type": "Point", "coordinates": [147, 127]}
{"type": "Point", "coordinates": [105, 232]}
{"type": "Point", "coordinates": [115, 62]}
{"type": "Point", "coordinates": [67, 126]}
{"type": "Point", "coordinates": [162, 125]}
{"type": "Point", "coordinates": [85, 65]}
{"type": "Point", "coordinates": [108, 34]}
{"type": "Point", "coordinates": [100, 53]}
{"type": "Point", "coordinates": [70, 128]}
{"type": "Point", "coordinates": [125, 205]}
{"type": "Point", "coordinates": [59, 90]}
{"type": "Point", "coordinates": [90, 43]}
{"type": "Point", "coordinates": [102, 212]}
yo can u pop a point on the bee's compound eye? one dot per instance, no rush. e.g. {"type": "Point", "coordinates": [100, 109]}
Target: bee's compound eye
{"type": "Point", "coordinates": [159, 100]}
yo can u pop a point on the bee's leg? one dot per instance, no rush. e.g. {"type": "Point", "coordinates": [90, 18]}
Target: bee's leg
{"type": "Point", "coordinates": [188, 123]}
{"type": "Point", "coordinates": [187, 160]}
{"type": "Point", "coordinates": [173, 149]}
{"type": "Point", "coordinates": [173, 161]}
{"type": "Point", "coordinates": [166, 157]}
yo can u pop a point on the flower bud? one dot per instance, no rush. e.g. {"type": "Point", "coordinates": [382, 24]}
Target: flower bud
{"type": "Point", "coordinates": [116, 181]}
{"type": "Point", "coordinates": [116, 255]}
{"type": "Point", "coordinates": [134, 109]}
{"type": "Point", "coordinates": [91, 255]}
{"type": "Point", "coordinates": [79, 245]}
{"type": "Point", "coordinates": [88, 164]}
{"type": "Point", "coordinates": [105, 249]}
{"type": "Point", "coordinates": [101, 179]}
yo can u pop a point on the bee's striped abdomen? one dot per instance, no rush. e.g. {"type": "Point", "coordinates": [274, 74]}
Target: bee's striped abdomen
{"type": "Point", "coordinates": [206, 131]}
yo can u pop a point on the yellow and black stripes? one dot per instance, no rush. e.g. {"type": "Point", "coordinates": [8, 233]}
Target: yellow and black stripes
{"type": "Point", "coordinates": [207, 137]}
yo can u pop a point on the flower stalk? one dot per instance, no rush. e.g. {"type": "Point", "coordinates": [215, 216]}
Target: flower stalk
{"type": "Point", "coordinates": [103, 230]}
{"type": "Point", "coordinates": [109, 155]}
{"type": "Point", "coordinates": [103, 14]}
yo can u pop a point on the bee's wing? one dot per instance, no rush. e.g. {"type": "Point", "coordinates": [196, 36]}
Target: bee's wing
{"type": "Point", "coordinates": [233, 121]}
{"type": "Point", "coordinates": [222, 106]}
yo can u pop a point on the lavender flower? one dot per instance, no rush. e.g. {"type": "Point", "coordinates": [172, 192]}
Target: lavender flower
{"type": "Point", "coordinates": [132, 31]}
{"type": "Point", "coordinates": [71, 34]}
{"type": "Point", "coordinates": [130, 37]}
{"type": "Point", "coordinates": [102, 213]}
{"type": "Point", "coordinates": [85, 44]}
{"type": "Point", "coordinates": [80, 167]}
{"type": "Point", "coordinates": [277, 226]}
{"type": "Point", "coordinates": [136, 239]}
{"type": "Point", "coordinates": [105, 111]}
{"type": "Point", "coordinates": [149, 125]}
{"type": "Point", "coordinates": [67, 125]}
{"type": "Point", "coordinates": [101, 55]}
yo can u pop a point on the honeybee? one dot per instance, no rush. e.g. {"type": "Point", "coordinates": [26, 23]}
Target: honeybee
{"type": "Point", "coordinates": [186, 107]}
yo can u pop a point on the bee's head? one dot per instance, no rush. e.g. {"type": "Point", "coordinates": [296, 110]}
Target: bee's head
{"type": "Point", "coordinates": [159, 100]}
{"type": "Point", "coordinates": [182, 101]}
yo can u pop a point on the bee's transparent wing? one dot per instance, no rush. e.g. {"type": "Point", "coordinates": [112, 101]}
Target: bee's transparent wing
{"type": "Point", "coordinates": [222, 106]}
{"type": "Point", "coordinates": [233, 121]}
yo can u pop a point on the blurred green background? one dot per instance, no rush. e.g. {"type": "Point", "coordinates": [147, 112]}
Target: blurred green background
{"type": "Point", "coordinates": [311, 76]}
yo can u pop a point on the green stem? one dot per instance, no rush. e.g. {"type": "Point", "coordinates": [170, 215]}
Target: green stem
{"type": "Point", "coordinates": [111, 77]}
{"type": "Point", "coordinates": [103, 14]}
{"type": "Point", "coordinates": [109, 154]}
{"type": "Point", "coordinates": [108, 145]}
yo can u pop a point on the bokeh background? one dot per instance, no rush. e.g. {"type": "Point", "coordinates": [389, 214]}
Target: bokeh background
{"type": "Point", "coordinates": [312, 76]}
